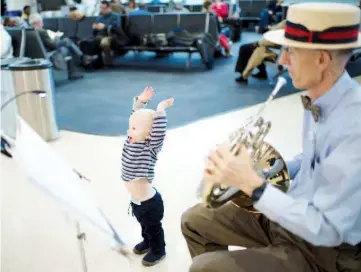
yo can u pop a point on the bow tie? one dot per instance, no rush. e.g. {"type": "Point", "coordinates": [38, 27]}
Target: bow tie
{"type": "Point", "coordinates": [307, 104]}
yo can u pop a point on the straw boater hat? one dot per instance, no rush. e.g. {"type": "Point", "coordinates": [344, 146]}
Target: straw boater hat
{"type": "Point", "coordinates": [319, 26]}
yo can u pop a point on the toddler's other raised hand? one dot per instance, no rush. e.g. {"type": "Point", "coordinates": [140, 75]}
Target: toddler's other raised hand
{"type": "Point", "coordinates": [146, 95]}
{"type": "Point", "coordinates": [165, 104]}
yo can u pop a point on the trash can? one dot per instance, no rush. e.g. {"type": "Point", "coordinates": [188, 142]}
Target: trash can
{"type": "Point", "coordinates": [8, 114]}
{"type": "Point", "coordinates": [37, 111]}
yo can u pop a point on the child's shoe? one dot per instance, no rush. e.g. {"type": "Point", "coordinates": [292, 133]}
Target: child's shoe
{"type": "Point", "coordinates": [141, 248]}
{"type": "Point", "coordinates": [153, 258]}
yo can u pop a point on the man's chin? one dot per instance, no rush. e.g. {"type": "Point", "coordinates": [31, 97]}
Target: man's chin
{"type": "Point", "coordinates": [296, 84]}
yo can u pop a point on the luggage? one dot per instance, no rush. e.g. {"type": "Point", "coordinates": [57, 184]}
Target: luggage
{"type": "Point", "coordinates": [206, 46]}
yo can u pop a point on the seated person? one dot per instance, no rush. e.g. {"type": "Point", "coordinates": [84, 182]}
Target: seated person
{"type": "Point", "coordinates": [64, 46]}
{"type": "Point", "coordinates": [107, 19]}
{"type": "Point", "coordinates": [116, 6]}
{"type": "Point", "coordinates": [75, 14]}
{"type": "Point", "coordinates": [26, 13]}
{"type": "Point", "coordinates": [315, 224]}
{"type": "Point", "coordinates": [220, 9]}
{"type": "Point", "coordinates": [130, 6]}
{"type": "Point", "coordinates": [176, 6]}
{"type": "Point", "coordinates": [255, 56]}
{"type": "Point", "coordinates": [15, 22]}
{"type": "Point", "coordinates": [269, 16]}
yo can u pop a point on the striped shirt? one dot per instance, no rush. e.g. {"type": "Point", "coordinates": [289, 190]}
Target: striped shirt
{"type": "Point", "coordinates": [139, 159]}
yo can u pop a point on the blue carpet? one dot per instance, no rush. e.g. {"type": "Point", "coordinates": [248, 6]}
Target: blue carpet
{"type": "Point", "coordinates": [101, 102]}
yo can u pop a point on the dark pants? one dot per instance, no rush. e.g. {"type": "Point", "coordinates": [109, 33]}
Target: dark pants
{"type": "Point", "coordinates": [209, 232]}
{"type": "Point", "coordinates": [150, 214]}
{"type": "Point", "coordinates": [74, 50]}
{"type": "Point", "coordinates": [244, 55]}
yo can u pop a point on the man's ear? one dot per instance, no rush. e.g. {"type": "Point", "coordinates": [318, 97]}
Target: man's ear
{"type": "Point", "coordinates": [325, 59]}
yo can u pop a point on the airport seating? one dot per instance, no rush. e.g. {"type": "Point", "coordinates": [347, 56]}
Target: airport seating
{"type": "Point", "coordinates": [18, 39]}
{"type": "Point", "coordinates": [139, 26]}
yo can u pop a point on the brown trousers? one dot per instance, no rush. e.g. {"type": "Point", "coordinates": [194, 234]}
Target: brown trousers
{"type": "Point", "coordinates": [270, 248]}
{"type": "Point", "coordinates": [105, 45]}
{"type": "Point", "coordinates": [259, 55]}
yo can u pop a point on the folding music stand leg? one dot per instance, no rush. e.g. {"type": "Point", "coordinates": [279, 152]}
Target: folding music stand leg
{"type": "Point", "coordinates": [81, 238]}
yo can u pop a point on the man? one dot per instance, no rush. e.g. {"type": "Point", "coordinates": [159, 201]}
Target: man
{"type": "Point", "coordinates": [269, 14]}
{"type": "Point", "coordinates": [253, 56]}
{"type": "Point", "coordinates": [26, 13]}
{"type": "Point", "coordinates": [64, 46]}
{"type": "Point", "coordinates": [107, 19]}
{"type": "Point", "coordinates": [316, 225]}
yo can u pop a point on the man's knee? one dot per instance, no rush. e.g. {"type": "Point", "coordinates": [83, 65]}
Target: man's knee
{"type": "Point", "coordinates": [105, 43]}
{"type": "Point", "coordinates": [207, 262]}
{"type": "Point", "coordinates": [191, 218]}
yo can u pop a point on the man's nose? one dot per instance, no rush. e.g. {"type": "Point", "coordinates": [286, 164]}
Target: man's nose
{"type": "Point", "coordinates": [283, 59]}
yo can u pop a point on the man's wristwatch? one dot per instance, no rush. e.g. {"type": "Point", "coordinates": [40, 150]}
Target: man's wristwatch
{"type": "Point", "coordinates": [257, 193]}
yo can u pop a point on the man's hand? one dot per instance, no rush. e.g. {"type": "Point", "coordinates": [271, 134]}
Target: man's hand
{"type": "Point", "coordinates": [101, 26]}
{"type": "Point", "coordinates": [165, 104]}
{"type": "Point", "coordinates": [146, 95]}
{"type": "Point", "coordinates": [98, 26]}
{"type": "Point", "coordinates": [235, 170]}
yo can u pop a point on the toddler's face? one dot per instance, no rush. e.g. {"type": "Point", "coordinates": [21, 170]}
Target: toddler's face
{"type": "Point", "coordinates": [140, 125]}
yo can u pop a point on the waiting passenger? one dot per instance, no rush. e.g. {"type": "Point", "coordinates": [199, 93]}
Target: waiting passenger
{"type": "Point", "coordinates": [116, 6]}
{"type": "Point", "coordinates": [253, 55]}
{"type": "Point", "coordinates": [107, 19]}
{"type": "Point", "coordinates": [75, 14]}
{"type": "Point", "coordinates": [220, 9]}
{"type": "Point", "coordinates": [176, 6]}
{"type": "Point", "coordinates": [269, 16]}
{"type": "Point", "coordinates": [64, 46]}
{"type": "Point", "coordinates": [26, 13]}
{"type": "Point", "coordinates": [130, 6]}
{"type": "Point", "coordinates": [15, 22]}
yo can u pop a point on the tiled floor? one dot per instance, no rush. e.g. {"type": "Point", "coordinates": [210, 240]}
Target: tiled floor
{"type": "Point", "coordinates": [38, 236]}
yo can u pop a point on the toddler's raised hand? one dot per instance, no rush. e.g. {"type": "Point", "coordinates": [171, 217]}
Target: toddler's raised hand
{"type": "Point", "coordinates": [147, 93]}
{"type": "Point", "coordinates": [165, 104]}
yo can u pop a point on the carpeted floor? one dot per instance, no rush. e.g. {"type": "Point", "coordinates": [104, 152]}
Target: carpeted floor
{"type": "Point", "coordinates": [101, 102]}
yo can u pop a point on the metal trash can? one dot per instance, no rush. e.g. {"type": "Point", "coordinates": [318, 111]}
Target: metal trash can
{"type": "Point", "coordinates": [9, 113]}
{"type": "Point", "coordinates": [37, 111]}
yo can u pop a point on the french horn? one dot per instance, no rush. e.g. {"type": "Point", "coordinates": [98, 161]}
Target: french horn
{"type": "Point", "coordinates": [267, 161]}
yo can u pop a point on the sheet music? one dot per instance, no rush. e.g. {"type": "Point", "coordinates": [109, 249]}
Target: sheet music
{"type": "Point", "coordinates": [53, 35]}
{"type": "Point", "coordinates": [51, 174]}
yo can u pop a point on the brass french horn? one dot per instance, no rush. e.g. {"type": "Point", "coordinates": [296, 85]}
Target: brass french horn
{"type": "Point", "coordinates": [267, 161]}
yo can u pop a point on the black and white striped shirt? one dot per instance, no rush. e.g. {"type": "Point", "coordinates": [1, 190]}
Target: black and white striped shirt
{"type": "Point", "coordinates": [139, 159]}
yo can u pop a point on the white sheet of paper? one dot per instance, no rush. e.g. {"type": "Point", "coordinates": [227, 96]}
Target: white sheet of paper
{"type": "Point", "coordinates": [50, 173]}
{"type": "Point", "coordinates": [53, 34]}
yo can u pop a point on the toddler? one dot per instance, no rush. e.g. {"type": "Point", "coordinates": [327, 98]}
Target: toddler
{"type": "Point", "coordinates": [146, 133]}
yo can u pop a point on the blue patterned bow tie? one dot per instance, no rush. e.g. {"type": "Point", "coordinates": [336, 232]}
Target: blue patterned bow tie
{"type": "Point", "coordinates": [307, 104]}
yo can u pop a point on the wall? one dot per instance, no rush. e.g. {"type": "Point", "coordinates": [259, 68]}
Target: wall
{"type": "Point", "coordinates": [19, 4]}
